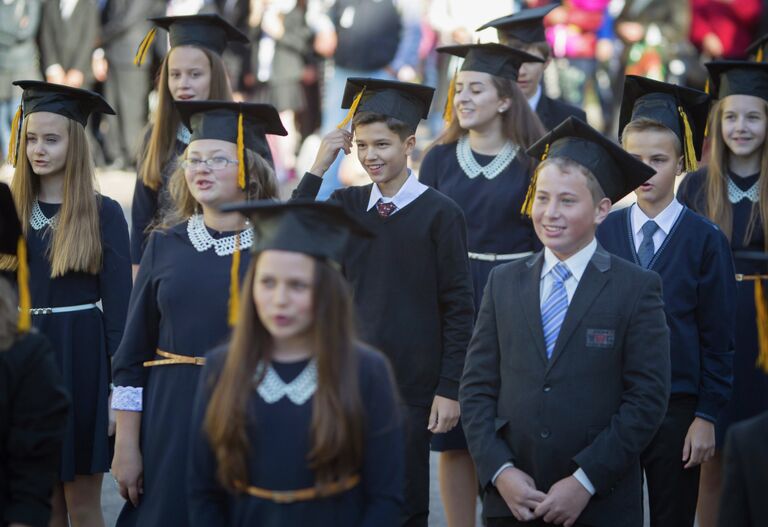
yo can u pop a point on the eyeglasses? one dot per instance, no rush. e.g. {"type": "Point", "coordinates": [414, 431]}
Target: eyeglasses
{"type": "Point", "coordinates": [214, 163]}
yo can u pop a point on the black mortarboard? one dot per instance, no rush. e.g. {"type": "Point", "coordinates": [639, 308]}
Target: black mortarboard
{"type": "Point", "coordinates": [617, 172]}
{"type": "Point", "coordinates": [682, 110]}
{"type": "Point", "coordinates": [209, 31]}
{"type": "Point", "coordinates": [405, 101]}
{"type": "Point", "coordinates": [526, 25]}
{"type": "Point", "coordinates": [244, 124]}
{"type": "Point", "coordinates": [737, 77]}
{"type": "Point", "coordinates": [316, 228]}
{"type": "Point", "coordinates": [495, 59]}
{"type": "Point", "coordinates": [758, 50]}
{"type": "Point", "coordinates": [12, 243]}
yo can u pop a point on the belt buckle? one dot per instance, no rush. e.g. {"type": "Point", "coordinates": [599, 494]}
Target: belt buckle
{"type": "Point", "coordinates": [41, 311]}
{"type": "Point", "coordinates": [284, 497]}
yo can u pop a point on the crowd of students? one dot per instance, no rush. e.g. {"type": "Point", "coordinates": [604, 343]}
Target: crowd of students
{"type": "Point", "coordinates": [278, 363]}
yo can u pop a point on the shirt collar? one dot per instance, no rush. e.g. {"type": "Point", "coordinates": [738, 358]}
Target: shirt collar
{"type": "Point", "coordinates": [576, 263]}
{"type": "Point", "coordinates": [411, 189]}
{"type": "Point", "coordinates": [664, 219]}
{"type": "Point", "coordinates": [534, 101]}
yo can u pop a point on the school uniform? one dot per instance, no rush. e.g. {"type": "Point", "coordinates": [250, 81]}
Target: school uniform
{"type": "Point", "coordinates": [279, 436]}
{"type": "Point", "coordinates": [693, 258]}
{"type": "Point", "coordinates": [552, 112]}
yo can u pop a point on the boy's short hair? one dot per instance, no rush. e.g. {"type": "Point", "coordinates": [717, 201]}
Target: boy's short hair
{"type": "Point", "coordinates": [401, 128]}
{"type": "Point", "coordinates": [563, 164]}
{"type": "Point", "coordinates": [643, 124]}
{"type": "Point", "coordinates": [542, 48]}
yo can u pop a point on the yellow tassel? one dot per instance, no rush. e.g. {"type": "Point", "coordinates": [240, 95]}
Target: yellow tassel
{"type": "Point", "coordinates": [141, 53]}
{"type": "Point", "coordinates": [527, 208]}
{"type": "Point", "coordinates": [13, 144]}
{"type": "Point", "coordinates": [240, 152]}
{"type": "Point", "coordinates": [759, 57]}
{"type": "Point", "coordinates": [234, 285]}
{"type": "Point", "coordinates": [706, 126]}
{"type": "Point", "coordinates": [706, 86]}
{"type": "Point", "coordinates": [762, 325]}
{"type": "Point", "coordinates": [352, 110]}
{"type": "Point", "coordinates": [689, 151]}
{"type": "Point", "coordinates": [448, 110]}
{"type": "Point", "coordinates": [25, 301]}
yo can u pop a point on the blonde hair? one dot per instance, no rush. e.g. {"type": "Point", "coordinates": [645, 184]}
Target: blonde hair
{"type": "Point", "coordinates": [9, 315]}
{"type": "Point", "coordinates": [718, 208]}
{"type": "Point", "coordinates": [76, 241]}
{"type": "Point", "coordinates": [644, 124]}
{"type": "Point", "coordinates": [563, 164]}
{"type": "Point", "coordinates": [261, 184]}
{"type": "Point", "coordinates": [159, 149]}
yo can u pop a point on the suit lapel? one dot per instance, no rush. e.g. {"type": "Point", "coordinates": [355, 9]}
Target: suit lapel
{"type": "Point", "coordinates": [528, 287]}
{"type": "Point", "coordinates": [542, 109]}
{"type": "Point", "coordinates": [592, 282]}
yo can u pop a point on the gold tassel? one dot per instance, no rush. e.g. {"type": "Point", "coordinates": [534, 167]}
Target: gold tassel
{"type": "Point", "coordinates": [234, 284]}
{"type": "Point", "coordinates": [352, 110]}
{"type": "Point", "coordinates": [13, 146]}
{"type": "Point", "coordinates": [240, 152]}
{"type": "Point", "coordinates": [689, 151]}
{"type": "Point", "coordinates": [25, 301]}
{"type": "Point", "coordinates": [527, 208]}
{"type": "Point", "coordinates": [762, 325]}
{"type": "Point", "coordinates": [448, 110]}
{"type": "Point", "coordinates": [146, 43]}
{"type": "Point", "coordinates": [706, 86]}
{"type": "Point", "coordinates": [759, 57]}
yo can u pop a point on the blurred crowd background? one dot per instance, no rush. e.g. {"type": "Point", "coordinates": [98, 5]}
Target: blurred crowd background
{"type": "Point", "coordinates": [302, 51]}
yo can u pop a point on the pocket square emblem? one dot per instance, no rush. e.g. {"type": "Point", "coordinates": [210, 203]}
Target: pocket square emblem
{"type": "Point", "coordinates": [600, 338]}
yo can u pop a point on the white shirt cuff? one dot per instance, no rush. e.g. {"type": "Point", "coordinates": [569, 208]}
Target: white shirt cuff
{"type": "Point", "coordinates": [127, 398]}
{"type": "Point", "coordinates": [582, 478]}
{"type": "Point", "coordinates": [502, 469]}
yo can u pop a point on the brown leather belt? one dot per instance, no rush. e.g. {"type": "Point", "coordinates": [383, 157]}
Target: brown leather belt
{"type": "Point", "coordinates": [292, 496]}
{"type": "Point", "coordinates": [174, 358]}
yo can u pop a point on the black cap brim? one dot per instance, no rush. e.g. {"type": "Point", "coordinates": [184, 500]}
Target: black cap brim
{"type": "Point", "coordinates": [72, 103]}
{"type": "Point", "coordinates": [495, 59]}
{"type": "Point", "coordinates": [210, 31]}
{"type": "Point", "coordinates": [737, 77]}
{"type": "Point", "coordinates": [526, 25]}
{"type": "Point", "coordinates": [406, 101]}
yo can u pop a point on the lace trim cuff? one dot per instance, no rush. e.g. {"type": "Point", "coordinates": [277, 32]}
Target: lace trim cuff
{"type": "Point", "coordinates": [127, 398]}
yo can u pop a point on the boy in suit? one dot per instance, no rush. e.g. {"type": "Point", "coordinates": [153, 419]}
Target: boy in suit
{"type": "Point", "coordinates": [567, 373]}
{"type": "Point", "coordinates": [525, 31]}
{"type": "Point", "coordinates": [411, 282]}
{"type": "Point", "coordinates": [663, 125]}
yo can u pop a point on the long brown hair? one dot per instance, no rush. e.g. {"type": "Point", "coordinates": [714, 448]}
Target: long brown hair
{"type": "Point", "coordinates": [260, 178]}
{"type": "Point", "coordinates": [519, 123]}
{"type": "Point", "coordinates": [76, 240]}
{"type": "Point", "coordinates": [337, 411]}
{"type": "Point", "coordinates": [718, 208]}
{"type": "Point", "coordinates": [159, 149]}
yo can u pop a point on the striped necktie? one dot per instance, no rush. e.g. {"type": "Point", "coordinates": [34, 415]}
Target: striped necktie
{"type": "Point", "coordinates": [555, 307]}
{"type": "Point", "coordinates": [646, 250]}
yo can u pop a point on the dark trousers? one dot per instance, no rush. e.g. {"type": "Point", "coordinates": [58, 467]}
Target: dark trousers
{"type": "Point", "coordinates": [126, 88]}
{"type": "Point", "coordinates": [416, 506]}
{"type": "Point", "coordinates": [672, 490]}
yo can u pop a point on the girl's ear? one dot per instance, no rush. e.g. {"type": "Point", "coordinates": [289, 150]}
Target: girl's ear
{"type": "Point", "coordinates": [506, 103]}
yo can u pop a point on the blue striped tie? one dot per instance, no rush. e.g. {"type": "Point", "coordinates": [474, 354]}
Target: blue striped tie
{"type": "Point", "coordinates": [555, 306]}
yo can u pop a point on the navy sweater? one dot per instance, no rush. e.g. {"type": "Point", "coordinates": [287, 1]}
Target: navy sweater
{"type": "Point", "coordinates": [699, 290]}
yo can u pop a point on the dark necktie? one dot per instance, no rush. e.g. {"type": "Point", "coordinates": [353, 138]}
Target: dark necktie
{"type": "Point", "coordinates": [385, 209]}
{"type": "Point", "coordinates": [646, 250]}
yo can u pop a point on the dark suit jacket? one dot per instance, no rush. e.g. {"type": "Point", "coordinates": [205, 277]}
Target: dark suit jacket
{"type": "Point", "coordinates": [69, 43]}
{"type": "Point", "coordinates": [745, 472]}
{"type": "Point", "coordinates": [553, 112]}
{"type": "Point", "coordinates": [594, 405]}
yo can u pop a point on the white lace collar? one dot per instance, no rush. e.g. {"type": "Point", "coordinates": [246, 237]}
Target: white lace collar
{"type": "Point", "coordinates": [735, 194]}
{"type": "Point", "coordinates": [299, 390]}
{"type": "Point", "coordinates": [38, 220]}
{"type": "Point", "coordinates": [472, 168]}
{"type": "Point", "coordinates": [202, 240]}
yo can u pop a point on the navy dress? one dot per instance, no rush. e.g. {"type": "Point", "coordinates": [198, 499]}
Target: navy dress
{"type": "Point", "coordinates": [279, 441]}
{"type": "Point", "coordinates": [494, 223]}
{"type": "Point", "coordinates": [179, 305]}
{"type": "Point", "coordinates": [750, 383]}
{"type": "Point", "coordinates": [84, 340]}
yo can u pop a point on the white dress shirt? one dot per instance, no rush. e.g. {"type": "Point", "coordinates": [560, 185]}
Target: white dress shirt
{"type": "Point", "coordinates": [533, 102]}
{"type": "Point", "coordinates": [411, 189]}
{"type": "Point", "coordinates": [665, 220]}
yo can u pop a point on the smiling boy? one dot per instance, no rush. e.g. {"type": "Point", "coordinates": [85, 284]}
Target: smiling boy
{"type": "Point", "coordinates": [693, 258]}
{"type": "Point", "coordinates": [567, 373]}
{"type": "Point", "coordinates": [411, 282]}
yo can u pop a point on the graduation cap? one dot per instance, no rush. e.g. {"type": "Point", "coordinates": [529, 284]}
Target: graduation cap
{"type": "Point", "coordinates": [737, 77]}
{"type": "Point", "coordinates": [405, 101]}
{"type": "Point", "coordinates": [757, 50]}
{"type": "Point", "coordinates": [683, 110]}
{"type": "Point", "coordinates": [12, 243]}
{"type": "Point", "coordinates": [72, 103]}
{"type": "Point", "coordinates": [526, 25]}
{"type": "Point", "coordinates": [496, 59]}
{"type": "Point", "coordinates": [244, 124]}
{"type": "Point", "coordinates": [209, 31]}
{"type": "Point", "coordinates": [617, 172]}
